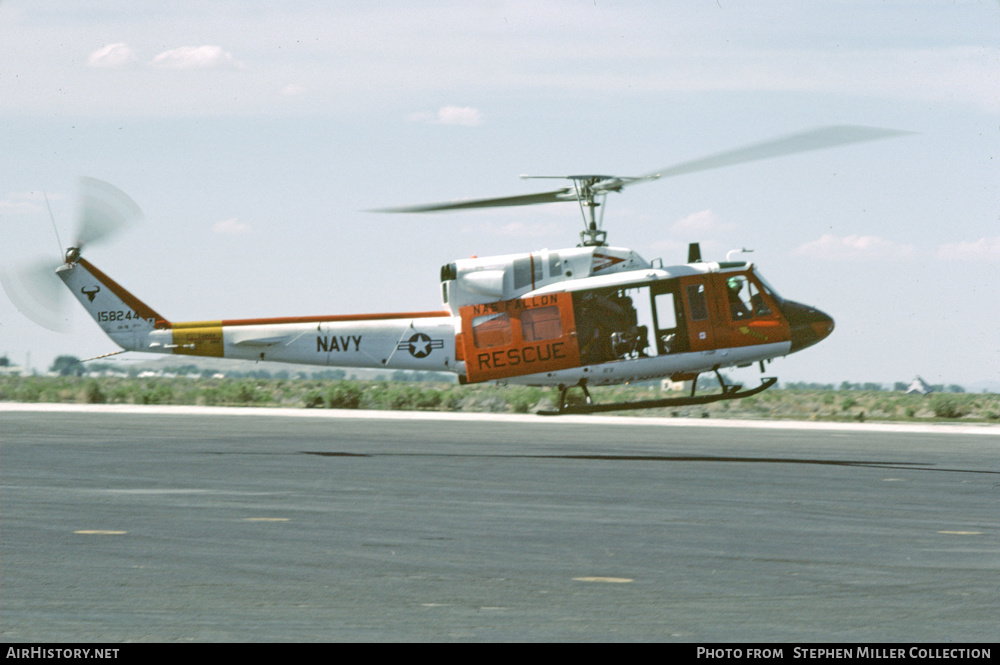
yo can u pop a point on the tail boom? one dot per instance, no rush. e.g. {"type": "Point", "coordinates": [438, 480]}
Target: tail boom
{"type": "Point", "coordinates": [403, 340]}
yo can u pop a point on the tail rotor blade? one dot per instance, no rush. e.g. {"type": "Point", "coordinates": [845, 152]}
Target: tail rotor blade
{"type": "Point", "coordinates": [104, 210]}
{"type": "Point", "coordinates": [38, 293]}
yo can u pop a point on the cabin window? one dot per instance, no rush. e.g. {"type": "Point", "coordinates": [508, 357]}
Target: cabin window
{"type": "Point", "coordinates": [671, 336]}
{"type": "Point", "coordinates": [738, 294]}
{"type": "Point", "coordinates": [540, 323]}
{"type": "Point", "coordinates": [758, 303]}
{"type": "Point", "coordinates": [766, 287]}
{"type": "Point", "coordinates": [696, 302]}
{"type": "Point", "coordinates": [491, 330]}
{"type": "Point", "coordinates": [745, 300]}
{"type": "Point", "coordinates": [666, 315]}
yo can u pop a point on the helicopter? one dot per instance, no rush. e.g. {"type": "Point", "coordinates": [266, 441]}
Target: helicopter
{"type": "Point", "coordinates": [580, 317]}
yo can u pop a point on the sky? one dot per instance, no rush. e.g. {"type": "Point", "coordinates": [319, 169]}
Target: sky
{"type": "Point", "coordinates": [256, 135]}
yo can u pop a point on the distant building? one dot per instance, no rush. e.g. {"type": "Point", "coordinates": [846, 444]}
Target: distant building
{"type": "Point", "coordinates": [9, 369]}
{"type": "Point", "coordinates": [669, 385]}
{"type": "Point", "coordinates": [919, 386]}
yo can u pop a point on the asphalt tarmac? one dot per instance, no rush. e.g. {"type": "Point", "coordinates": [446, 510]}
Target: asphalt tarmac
{"type": "Point", "coordinates": [162, 525]}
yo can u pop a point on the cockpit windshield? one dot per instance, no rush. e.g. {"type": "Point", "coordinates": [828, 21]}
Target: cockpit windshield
{"type": "Point", "coordinates": [768, 289]}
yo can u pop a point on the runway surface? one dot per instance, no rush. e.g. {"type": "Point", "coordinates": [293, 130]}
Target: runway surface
{"type": "Point", "coordinates": [131, 524]}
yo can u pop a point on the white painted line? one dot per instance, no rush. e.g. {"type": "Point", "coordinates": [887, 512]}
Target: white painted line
{"type": "Point", "coordinates": [962, 533]}
{"type": "Point", "coordinates": [100, 532]}
{"type": "Point", "coordinates": [358, 414]}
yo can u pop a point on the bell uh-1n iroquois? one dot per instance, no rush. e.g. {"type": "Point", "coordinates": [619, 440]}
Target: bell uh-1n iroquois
{"type": "Point", "coordinates": [590, 315]}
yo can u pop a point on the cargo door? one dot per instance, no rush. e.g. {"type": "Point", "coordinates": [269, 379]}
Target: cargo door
{"type": "Point", "coordinates": [518, 337]}
{"type": "Point", "coordinates": [700, 306]}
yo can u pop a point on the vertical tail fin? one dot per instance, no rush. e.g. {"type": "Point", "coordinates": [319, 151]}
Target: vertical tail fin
{"type": "Point", "coordinates": [123, 317]}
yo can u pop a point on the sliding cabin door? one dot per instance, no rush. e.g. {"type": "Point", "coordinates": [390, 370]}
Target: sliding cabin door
{"type": "Point", "coordinates": [517, 337]}
{"type": "Point", "coordinates": [701, 308]}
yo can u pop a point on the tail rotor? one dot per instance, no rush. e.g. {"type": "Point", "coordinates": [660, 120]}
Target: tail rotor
{"type": "Point", "coordinates": [103, 211]}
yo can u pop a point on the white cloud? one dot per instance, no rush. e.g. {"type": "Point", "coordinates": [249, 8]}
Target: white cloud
{"type": "Point", "coordinates": [13, 206]}
{"type": "Point", "coordinates": [874, 247]}
{"type": "Point", "coordinates": [230, 227]}
{"type": "Point", "coordinates": [450, 115]}
{"type": "Point", "coordinates": [197, 57]}
{"type": "Point", "coordinates": [830, 246]}
{"type": "Point", "coordinates": [111, 56]}
{"type": "Point", "coordinates": [292, 90]}
{"type": "Point", "coordinates": [19, 203]}
{"type": "Point", "coordinates": [460, 115]}
{"type": "Point", "coordinates": [701, 224]}
{"type": "Point", "coordinates": [982, 249]}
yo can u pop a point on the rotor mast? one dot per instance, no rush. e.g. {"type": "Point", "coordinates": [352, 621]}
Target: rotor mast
{"type": "Point", "coordinates": [590, 192]}
{"type": "Point", "coordinates": [592, 235]}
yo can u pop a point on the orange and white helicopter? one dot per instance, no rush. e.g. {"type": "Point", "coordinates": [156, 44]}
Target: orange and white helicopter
{"type": "Point", "coordinates": [591, 315]}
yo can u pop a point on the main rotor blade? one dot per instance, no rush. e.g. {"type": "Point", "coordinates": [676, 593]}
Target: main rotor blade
{"type": "Point", "coordinates": [103, 210]}
{"type": "Point", "coordinates": [816, 139]}
{"type": "Point", "coordinates": [564, 194]}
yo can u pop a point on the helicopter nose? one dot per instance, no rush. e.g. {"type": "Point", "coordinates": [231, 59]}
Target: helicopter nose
{"type": "Point", "coordinates": [808, 325]}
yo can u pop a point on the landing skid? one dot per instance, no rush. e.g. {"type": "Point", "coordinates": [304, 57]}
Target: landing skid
{"type": "Point", "coordinates": [728, 392]}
